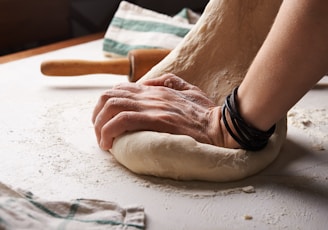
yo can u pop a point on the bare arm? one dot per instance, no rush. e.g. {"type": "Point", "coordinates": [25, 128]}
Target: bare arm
{"type": "Point", "coordinates": [292, 59]}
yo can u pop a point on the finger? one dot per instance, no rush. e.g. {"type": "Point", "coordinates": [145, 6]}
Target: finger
{"type": "Point", "coordinates": [113, 93]}
{"type": "Point", "coordinates": [99, 106]}
{"type": "Point", "coordinates": [129, 86]}
{"type": "Point", "coordinates": [124, 122]}
{"type": "Point", "coordinates": [158, 81]}
{"type": "Point", "coordinates": [112, 107]}
{"type": "Point", "coordinates": [171, 81]}
{"type": "Point", "coordinates": [130, 121]}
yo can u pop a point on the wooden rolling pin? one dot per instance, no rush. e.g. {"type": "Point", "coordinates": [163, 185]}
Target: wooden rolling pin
{"type": "Point", "coordinates": [138, 62]}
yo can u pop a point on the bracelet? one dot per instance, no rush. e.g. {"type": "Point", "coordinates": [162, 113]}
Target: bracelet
{"type": "Point", "coordinates": [247, 137]}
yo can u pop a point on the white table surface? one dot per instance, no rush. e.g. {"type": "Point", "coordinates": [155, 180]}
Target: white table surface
{"type": "Point", "coordinates": [48, 146]}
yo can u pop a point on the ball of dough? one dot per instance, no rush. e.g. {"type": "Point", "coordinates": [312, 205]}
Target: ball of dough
{"type": "Point", "coordinates": [181, 157]}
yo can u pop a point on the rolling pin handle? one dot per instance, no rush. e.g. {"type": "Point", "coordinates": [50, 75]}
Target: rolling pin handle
{"type": "Point", "coordinates": [82, 67]}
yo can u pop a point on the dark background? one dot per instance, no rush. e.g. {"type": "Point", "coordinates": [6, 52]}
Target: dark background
{"type": "Point", "coordinates": [27, 24]}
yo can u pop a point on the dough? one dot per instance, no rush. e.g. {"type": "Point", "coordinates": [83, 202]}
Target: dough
{"type": "Point", "coordinates": [180, 157]}
{"type": "Point", "coordinates": [214, 56]}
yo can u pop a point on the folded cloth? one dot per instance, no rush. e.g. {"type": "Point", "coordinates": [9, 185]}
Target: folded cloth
{"type": "Point", "coordinates": [20, 209]}
{"type": "Point", "coordinates": [134, 27]}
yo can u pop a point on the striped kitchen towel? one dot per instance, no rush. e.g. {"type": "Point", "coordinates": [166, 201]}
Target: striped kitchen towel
{"type": "Point", "coordinates": [134, 27]}
{"type": "Point", "coordinates": [20, 209]}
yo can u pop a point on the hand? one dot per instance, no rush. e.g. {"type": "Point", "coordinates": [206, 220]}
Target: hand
{"type": "Point", "coordinates": [165, 104]}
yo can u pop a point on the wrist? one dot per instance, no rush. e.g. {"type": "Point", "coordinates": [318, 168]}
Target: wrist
{"type": "Point", "coordinates": [229, 141]}
{"type": "Point", "coordinates": [218, 133]}
{"type": "Point", "coordinates": [245, 135]}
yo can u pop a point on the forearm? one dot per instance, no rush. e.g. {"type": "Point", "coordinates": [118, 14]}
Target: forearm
{"type": "Point", "coordinates": [292, 59]}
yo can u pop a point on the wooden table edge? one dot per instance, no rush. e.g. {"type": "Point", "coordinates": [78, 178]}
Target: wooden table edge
{"type": "Point", "coordinates": [50, 47]}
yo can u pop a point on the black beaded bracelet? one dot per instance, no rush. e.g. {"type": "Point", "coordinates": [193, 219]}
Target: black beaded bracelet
{"type": "Point", "coordinates": [246, 136]}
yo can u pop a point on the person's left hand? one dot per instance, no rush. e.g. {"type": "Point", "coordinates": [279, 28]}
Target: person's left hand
{"type": "Point", "coordinates": [165, 104]}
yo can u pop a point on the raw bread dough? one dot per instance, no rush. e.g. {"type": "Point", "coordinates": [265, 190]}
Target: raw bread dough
{"type": "Point", "coordinates": [215, 56]}
{"type": "Point", "coordinates": [181, 157]}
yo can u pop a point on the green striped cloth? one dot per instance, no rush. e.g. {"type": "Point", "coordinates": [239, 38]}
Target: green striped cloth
{"type": "Point", "coordinates": [22, 210]}
{"type": "Point", "coordinates": [134, 27]}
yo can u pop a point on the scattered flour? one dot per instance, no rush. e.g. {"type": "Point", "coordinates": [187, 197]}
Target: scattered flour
{"type": "Point", "coordinates": [314, 123]}
{"type": "Point", "coordinates": [63, 154]}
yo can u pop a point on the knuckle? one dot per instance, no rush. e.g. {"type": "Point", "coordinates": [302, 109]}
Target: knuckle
{"type": "Point", "coordinates": [105, 135]}
{"type": "Point", "coordinates": [122, 104]}
{"type": "Point", "coordinates": [98, 125]}
{"type": "Point", "coordinates": [112, 103]}
{"type": "Point", "coordinates": [104, 97]}
{"type": "Point", "coordinates": [124, 117]}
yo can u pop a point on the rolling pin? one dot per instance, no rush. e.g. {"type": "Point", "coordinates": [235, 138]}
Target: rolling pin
{"type": "Point", "coordinates": [138, 62]}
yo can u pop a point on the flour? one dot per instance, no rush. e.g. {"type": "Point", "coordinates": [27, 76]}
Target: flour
{"type": "Point", "coordinates": [59, 152]}
{"type": "Point", "coordinates": [314, 123]}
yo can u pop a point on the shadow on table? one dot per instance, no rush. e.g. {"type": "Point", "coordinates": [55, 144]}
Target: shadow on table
{"type": "Point", "coordinates": [291, 171]}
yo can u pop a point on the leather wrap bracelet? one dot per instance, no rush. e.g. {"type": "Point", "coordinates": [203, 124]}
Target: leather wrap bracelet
{"type": "Point", "coordinates": [248, 137]}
